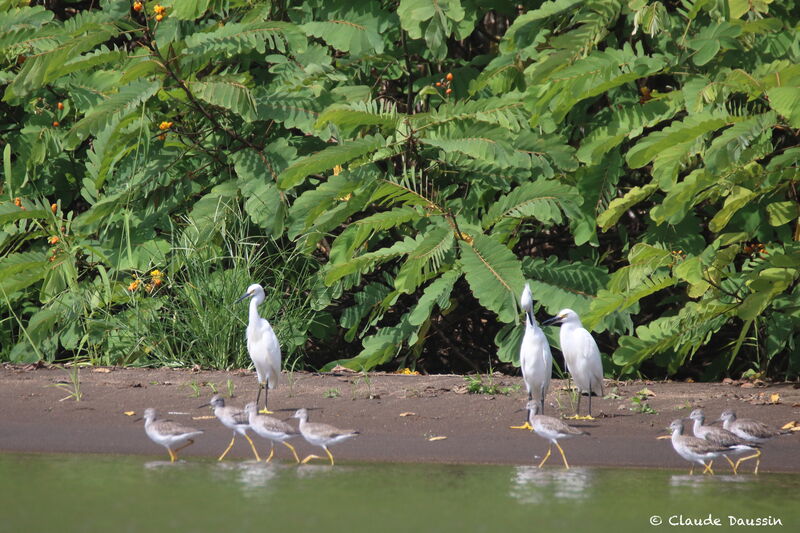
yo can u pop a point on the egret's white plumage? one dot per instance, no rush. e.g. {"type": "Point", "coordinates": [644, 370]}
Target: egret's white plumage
{"type": "Point", "coordinates": [535, 358]}
{"type": "Point", "coordinates": [262, 344]}
{"type": "Point", "coordinates": [581, 354]}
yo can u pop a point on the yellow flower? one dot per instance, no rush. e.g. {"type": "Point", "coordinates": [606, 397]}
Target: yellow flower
{"type": "Point", "coordinates": [158, 9]}
{"type": "Point", "coordinates": [53, 240]}
{"type": "Point", "coordinates": [134, 285]}
{"type": "Point", "coordinates": [165, 125]}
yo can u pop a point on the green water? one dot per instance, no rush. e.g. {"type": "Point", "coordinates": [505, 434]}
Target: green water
{"type": "Point", "coordinates": [90, 493]}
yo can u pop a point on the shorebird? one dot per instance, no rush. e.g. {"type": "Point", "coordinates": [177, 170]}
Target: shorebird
{"type": "Point", "coordinates": [262, 345]}
{"type": "Point", "coordinates": [271, 428]}
{"type": "Point", "coordinates": [321, 434]}
{"type": "Point", "coordinates": [694, 449]}
{"type": "Point", "coordinates": [168, 433]}
{"type": "Point", "coordinates": [720, 437]}
{"type": "Point", "coordinates": [233, 418]}
{"type": "Point", "coordinates": [581, 355]}
{"type": "Point", "coordinates": [751, 431]}
{"type": "Point", "coordinates": [551, 429]}
{"type": "Point", "coordinates": [535, 358]}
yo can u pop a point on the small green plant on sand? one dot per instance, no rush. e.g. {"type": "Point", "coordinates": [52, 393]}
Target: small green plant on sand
{"type": "Point", "coordinates": [212, 386]}
{"type": "Point", "coordinates": [639, 403]}
{"type": "Point", "coordinates": [73, 388]}
{"type": "Point", "coordinates": [195, 388]}
{"type": "Point", "coordinates": [231, 388]}
{"type": "Point", "coordinates": [332, 393]}
{"type": "Point", "coordinates": [476, 385]}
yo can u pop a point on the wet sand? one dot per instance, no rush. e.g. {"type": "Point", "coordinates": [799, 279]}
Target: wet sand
{"type": "Point", "coordinates": [397, 416]}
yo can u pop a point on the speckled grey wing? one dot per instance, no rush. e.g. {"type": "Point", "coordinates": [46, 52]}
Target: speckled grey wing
{"type": "Point", "coordinates": [328, 432]}
{"type": "Point", "coordinates": [758, 429]}
{"type": "Point", "coordinates": [274, 425]}
{"type": "Point", "coordinates": [722, 437]}
{"type": "Point", "coordinates": [558, 426]}
{"type": "Point", "coordinates": [702, 446]}
{"type": "Point", "coordinates": [240, 417]}
{"type": "Point", "coordinates": [174, 429]}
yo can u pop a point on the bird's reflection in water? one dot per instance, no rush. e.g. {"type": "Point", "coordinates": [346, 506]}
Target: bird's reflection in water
{"type": "Point", "coordinates": [531, 484]}
{"type": "Point", "coordinates": [252, 475]}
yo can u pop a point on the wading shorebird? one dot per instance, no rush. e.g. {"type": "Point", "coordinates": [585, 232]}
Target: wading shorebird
{"type": "Point", "coordinates": [551, 429]}
{"type": "Point", "coordinates": [271, 428]}
{"type": "Point", "coordinates": [535, 358]}
{"type": "Point", "coordinates": [168, 433]}
{"type": "Point", "coordinates": [720, 437]}
{"type": "Point", "coordinates": [232, 418]}
{"type": "Point", "coordinates": [751, 431]}
{"type": "Point", "coordinates": [696, 450]}
{"type": "Point", "coordinates": [321, 434]}
{"type": "Point", "coordinates": [262, 345]}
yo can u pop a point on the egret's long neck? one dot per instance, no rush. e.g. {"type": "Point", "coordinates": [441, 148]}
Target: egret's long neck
{"type": "Point", "coordinates": [254, 317]}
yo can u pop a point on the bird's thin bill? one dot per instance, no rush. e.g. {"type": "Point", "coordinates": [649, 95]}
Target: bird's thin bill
{"type": "Point", "coordinates": [245, 295]}
{"type": "Point", "coordinates": [553, 320]}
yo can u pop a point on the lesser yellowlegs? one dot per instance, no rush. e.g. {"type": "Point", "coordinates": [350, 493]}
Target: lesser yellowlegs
{"type": "Point", "coordinates": [321, 434]}
{"type": "Point", "coordinates": [720, 437]}
{"type": "Point", "coordinates": [233, 418]}
{"type": "Point", "coordinates": [751, 431]}
{"type": "Point", "coordinates": [535, 358]}
{"type": "Point", "coordinates": [262, 345]}
{"type": "Point", "coordinates": [271, 428]}
{"type": "Point", "coordinates": [168, 433]}
{"type": "Point", "coordinates": [694, 449]}
{"type": "Point", "coordinates": [581, 355]}
{"type": "Point", "coordinates": [551, 429]}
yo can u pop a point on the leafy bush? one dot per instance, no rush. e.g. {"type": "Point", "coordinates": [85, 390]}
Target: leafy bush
{"type": "Point", "coordinates": [406, 167]}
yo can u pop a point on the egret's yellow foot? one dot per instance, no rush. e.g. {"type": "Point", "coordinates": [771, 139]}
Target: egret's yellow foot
{"type": "Point", "coordinates": [266, 411]}
{"type": "Point", "coordinates": [526, 425]}
{"type": "Point", "coordinates": [579, 417]}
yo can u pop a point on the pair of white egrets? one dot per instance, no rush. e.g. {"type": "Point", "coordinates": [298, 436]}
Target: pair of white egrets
{"type": "Point", "coordinates": [581, 355]}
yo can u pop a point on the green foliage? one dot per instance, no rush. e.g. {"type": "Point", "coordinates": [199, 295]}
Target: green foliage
{"type": "Point", "coordinates": [402, 169]}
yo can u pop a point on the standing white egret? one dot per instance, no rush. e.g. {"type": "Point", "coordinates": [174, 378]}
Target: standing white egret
{"type": "Point", "coordinates": [262, 345]}
{"type": "Point", "coordinates": [581, 354]}
{"type": "Point", "coordinates": [535, 358]}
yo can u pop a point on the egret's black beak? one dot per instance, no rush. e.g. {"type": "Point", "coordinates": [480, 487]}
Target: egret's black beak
{"type": "Point", "coordinates": [245, 295]}
{"type": "Point", "coordinates": [553, 320]}
{"type": "Point", "coordinates": [530, 317]}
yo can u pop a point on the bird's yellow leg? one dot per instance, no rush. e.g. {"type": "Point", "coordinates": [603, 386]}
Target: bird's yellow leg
{"type": "Point", "coordinates": [733, 465]}
{"type": "Point", "coordinates": [294, 452]}
{"type": "Point", "coordinates": [526, 425]}
{"type": "Point", "coordinates": [171, 455]}
{"type": "Point", "coordinates": [584, 417]}
{"type": "Point", "coordinates": [221, 457]}
{"type": "Point", "coordinates": [189, 443]}
{"type": "Point", "coordinates": [708, 468]}
{"type": "Point", "coordinates": [691, 469]}
{"type": "Point", "coordinates": [307, 459]}
{"type": "Point", "coordinates": [546, 455]}
{"type": "Point", "coordinates": [754, 456]}
{"type": "Point", "coordinates": [271, 452]}
{"type": "Point", "coordinates": [253, 446]}
{"type": "Point", "coordinates": [562, 455]}
{"type": "Point", "coordinates": [330, 455]}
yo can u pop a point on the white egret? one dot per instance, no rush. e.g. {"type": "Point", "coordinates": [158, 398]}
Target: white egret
{"type": "Point", "coordinates": [262, 345]}
{"type": "Point", "coordinates": [168, 433]}
{"type": "Point", "coordinates": [581, 354]}
{"type": "Point", "coordinates": [535, 358]}
{"type": "Point", "coordinates": [321, 434]}
{"type": "Point", "coordinates": [551, 429]}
